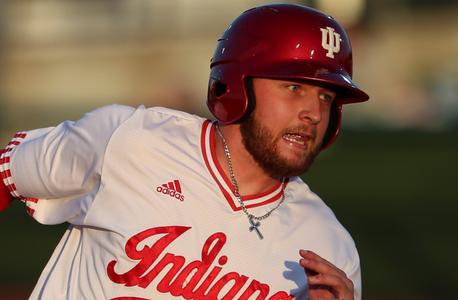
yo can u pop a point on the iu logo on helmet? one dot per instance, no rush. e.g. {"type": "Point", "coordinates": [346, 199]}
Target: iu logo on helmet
{"type": "Point", "coordinates": [330, 40]}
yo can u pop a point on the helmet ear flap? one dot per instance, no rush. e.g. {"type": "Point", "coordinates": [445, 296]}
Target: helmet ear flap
{"type": "Point", "coordinates": [216, 88]}
{"type": "Point", "coordinates": [251, 98]}
{"type": "Point", "coordinates": [226, 98]}
{"type": "Point", "coordinates": [335, 115]}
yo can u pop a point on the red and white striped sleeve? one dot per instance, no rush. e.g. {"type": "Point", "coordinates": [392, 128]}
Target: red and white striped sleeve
{"type": "Point", "coordinates": [7, 188]}
{"type": "Point", "coordinates": [62, 162]}
{"type": "Point", "coordinates": [5, 196]}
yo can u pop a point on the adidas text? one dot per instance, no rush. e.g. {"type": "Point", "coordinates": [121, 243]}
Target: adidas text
{"type": "Point", "coordinates": [169, 192]}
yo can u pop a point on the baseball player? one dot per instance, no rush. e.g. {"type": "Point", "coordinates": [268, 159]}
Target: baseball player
{"type": "Point", "coordinates": [162, 204]}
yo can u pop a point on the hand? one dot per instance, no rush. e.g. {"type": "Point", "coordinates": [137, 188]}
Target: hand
{"type": "Point", "coordinates": [325, 281]}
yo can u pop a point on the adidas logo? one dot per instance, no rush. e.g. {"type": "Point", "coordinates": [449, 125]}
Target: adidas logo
{"type": "Point", "coordinates": [173, 189]}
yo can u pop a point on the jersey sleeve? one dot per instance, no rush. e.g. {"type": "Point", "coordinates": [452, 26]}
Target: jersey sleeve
{"type": "Point", "coordinates": [56, 171]}
{"type": "Point", "coordinates": [354, 274]}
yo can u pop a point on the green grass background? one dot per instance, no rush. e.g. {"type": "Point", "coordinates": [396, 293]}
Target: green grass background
{"type": "Point", "coordinates": [396, 192]}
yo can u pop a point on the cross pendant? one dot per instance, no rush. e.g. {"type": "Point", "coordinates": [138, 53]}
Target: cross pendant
{"type": "Point", "coordinates": [254, 226]}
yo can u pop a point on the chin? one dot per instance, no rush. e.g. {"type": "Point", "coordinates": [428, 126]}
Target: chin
{"type": "Point", "coordinates": [295, 164]}
{"type": "Point", "coordinates": [276, 157]}
{"type": "Point", "coordinates": [284, 167]}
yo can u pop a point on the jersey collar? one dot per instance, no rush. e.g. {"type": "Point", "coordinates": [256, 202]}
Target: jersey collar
{"type": "Point", "coordinates": [224, 183]}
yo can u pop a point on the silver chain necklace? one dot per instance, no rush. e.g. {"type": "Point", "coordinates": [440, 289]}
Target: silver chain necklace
{"type": "Point", "coordinates": [253, 220]}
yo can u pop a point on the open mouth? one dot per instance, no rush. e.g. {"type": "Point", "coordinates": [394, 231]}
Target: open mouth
{"type": "Point", "coordinates": [296, 138]}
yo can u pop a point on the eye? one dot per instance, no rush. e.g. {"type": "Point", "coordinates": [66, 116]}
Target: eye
{"type": "Point", "coordinates": [294, 87]}
{"type": "Point", "coordinates": [327, 97]}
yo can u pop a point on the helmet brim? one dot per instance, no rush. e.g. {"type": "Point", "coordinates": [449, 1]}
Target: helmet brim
{"type": "Point", "coordinates": [337, 80]}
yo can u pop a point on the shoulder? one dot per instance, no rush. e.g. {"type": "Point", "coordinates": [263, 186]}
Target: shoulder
{"type": "Point", "coordinates": [154, 118]}
{"type": "Point", "coordinates": [320, 221]}
{"type": "Point", "coordinates": [118, 113]}
{"type": "Point", "coordinates": [110, 111]}
{"type": "Point", "coordinates": [141, 117]}
{"type": "Point", "coordinates": [305, 196]}
{"type": "Point", "coordinates": [319, 230]}
{"type": "Point", "coordinates": [167, 113]}
{"type": "Point", "coordinates": [158, 128]}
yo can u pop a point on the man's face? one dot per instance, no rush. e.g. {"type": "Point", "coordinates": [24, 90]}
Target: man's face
{"type": "Point", "coordinates": [285, 131]}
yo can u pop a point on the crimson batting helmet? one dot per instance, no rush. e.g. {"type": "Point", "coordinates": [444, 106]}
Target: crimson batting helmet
{"type": "Point", "coordinates": [281, 41]}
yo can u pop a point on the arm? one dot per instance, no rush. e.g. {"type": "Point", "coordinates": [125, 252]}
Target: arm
{"type": "Point", "coordinates": [6, 195]}
{"type": "Point", "coordinates": [62, 164]}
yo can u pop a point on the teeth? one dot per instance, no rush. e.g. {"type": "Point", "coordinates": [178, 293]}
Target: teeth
{"type": "Point", "coordinates": [294, 138]}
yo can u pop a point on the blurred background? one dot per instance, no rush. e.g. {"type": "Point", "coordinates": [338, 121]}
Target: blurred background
{"type": "Point", "coordinates": [390, 178]}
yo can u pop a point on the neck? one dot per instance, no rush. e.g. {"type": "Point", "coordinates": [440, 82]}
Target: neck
{"type": "Point", "coordinates": [250, 177]}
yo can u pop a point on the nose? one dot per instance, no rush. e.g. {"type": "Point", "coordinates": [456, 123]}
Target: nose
{"type": "Point", "coordinates": [311, 109]}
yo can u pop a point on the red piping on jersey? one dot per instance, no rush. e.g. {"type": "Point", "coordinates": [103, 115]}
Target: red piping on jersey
{"type": "Point", "coordinates": [4, 160]}
{"type": "Point", "coordinates": [5, 150]}
{"type": "Point", "coordinates": [204, 153]}
{"type": "Point", "coordinates": [7, 187]}
{"type": "Point", "coordinates": [20, 135]}
{"type": "Point", "coordinates": [228, 181]}
{"type": "Point", "coordinates": [228, 197]}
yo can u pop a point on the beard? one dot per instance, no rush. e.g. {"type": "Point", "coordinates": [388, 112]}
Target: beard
{"type": "Point", "coordinates": [262, 145]}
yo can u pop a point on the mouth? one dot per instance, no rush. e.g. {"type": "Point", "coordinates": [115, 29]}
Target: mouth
{"type": "Point", "coordinates": [297, 139]}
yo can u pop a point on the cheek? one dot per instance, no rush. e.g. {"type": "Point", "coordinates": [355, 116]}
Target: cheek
{"type": "Point", "coordinates": [272, 113]}
{"type": "Point", "coordinates": [323, 125]}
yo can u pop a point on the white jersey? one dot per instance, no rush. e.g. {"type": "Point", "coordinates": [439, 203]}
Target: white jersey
{"type": "Point", "coordinates": [152, 214]}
